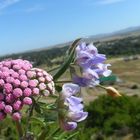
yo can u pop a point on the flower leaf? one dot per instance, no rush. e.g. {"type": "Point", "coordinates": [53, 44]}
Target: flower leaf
{"type": "Point", "coordinates": [69, 59]}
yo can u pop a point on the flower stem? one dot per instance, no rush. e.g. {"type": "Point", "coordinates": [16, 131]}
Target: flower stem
{"type": "Point", "coordinates": [19, 129]}
{"type": "Point", "coordinates": [67, 81]}
{"type": "Point", "coordinates": [101, 86]}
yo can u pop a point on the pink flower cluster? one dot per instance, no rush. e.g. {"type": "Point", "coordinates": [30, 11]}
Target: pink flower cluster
{"type": "Point", "coordinates": [19, 82]}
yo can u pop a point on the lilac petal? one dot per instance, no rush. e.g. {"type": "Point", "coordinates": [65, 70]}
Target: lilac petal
{"type": "Point", "coordinates": [99, 58]}
{"type": "Point", "coordinates": [103, 69]}
{"type": "Point", "coordinates": [81, 81]}
{"type": "Point", "coordinates": [68, 126]}
{"type": "Point", "coordinates": [92, 49]}
{"type": "Point", "coordinates": [70, 89]}
{"type": "Point", "coordinates": [90, 74]}
{"type": "Point", "coordinates": [107, 73]}
{"type": "Point", "coordinates": [74, 100]}
{"type": "Point", "coordinates": [94, 82]}
{"type": "Point", "coordinates": [78, 116]}
{"type": "Point", "coordinates": [76, 108]}
{"type": "Point", "coordinates": [81, 46]}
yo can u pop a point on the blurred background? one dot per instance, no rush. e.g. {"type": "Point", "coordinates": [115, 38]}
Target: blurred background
{"type": "Point", "coordinates": [41, 32]}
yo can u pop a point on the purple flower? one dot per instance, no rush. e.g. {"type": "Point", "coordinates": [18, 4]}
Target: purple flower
{"type": "Point", "coordinates": [73, 107]}
{"type": "Point", "coordinates": [92, 64]}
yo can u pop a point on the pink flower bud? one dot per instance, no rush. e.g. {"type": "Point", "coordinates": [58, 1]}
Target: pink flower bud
{"type": "Point", "coordinates": [21, 71]}
{"type": "Point", "coordinates": [23, 77]}
{"type": "Point", "coordinates": [16, 67]}
{"type": "Point", "coordinates": [17, 92]}
{"type": "Point", "coordinates": [16, 116]}
{"type": "Point", "coordinates": [2, 105]}
{"type": "Point", "coordinates": [8, 109]}
{"type": "Point", "coordinates": [31, 74]}
{"type": "Point", "coordinates": [5, 74]}
{"type": "Point", "coordinates": [1, 82]}
{"type": "Point", "coordinates": [27, 101]}
{"type": "Point", "coordinates": [9, 98]}
{"type": "Point", "coordinates": [26, 67]}
{"type": "Point", "coordinates": [8, 88]}
{"type": "Point", "coordinates": [4, 69]}
{"type": "Point", "coordinates": [35, 91]}
{"type": "Point", "coordinates": [39, 74]}
{"type": "Point", "coordinates": [46, 93]}
{"type": "Point", "coordinates": [48, 78]}
{"type": "Point", "coordinates": [7, 64]}
{"type": "Point", "coordinates": [24, 84]}
{"type": "Point", "coordinates": [2, 116]}
{"type": "Point", "coordinates": [16, 83]}
{"type": "Point", "coordinates": [33, 83]}
{"type": "Point", "coordinates": [41, 79]}
{"type": "Point", "coordinates": [15, 75]}
{"type": "Point", "coordinates": [42, 86]}
{"type": "Point", "coordinates": [9, 79]}
{"type": "Point", "coordinates": [17, 105]}
{"type": "Point", "coordinates": [27, 92]}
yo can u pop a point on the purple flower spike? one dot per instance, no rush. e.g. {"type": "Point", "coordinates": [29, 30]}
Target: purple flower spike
{"type": "Point", "coordinates": [92, 64]}
{"type": "Point", "coordinates": [73, 107]}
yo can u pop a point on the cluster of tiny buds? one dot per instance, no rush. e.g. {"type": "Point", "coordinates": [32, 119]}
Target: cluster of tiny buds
{"type": "Point", "coordinates": [19, 82]}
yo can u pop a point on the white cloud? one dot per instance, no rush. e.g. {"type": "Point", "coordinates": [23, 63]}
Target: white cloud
{"type": "Point", "coordinates": [34, 8]}
{"type": "Point", "coordinates": [109, 1]}
{"type": "Point", "coordinates": [7, 3]}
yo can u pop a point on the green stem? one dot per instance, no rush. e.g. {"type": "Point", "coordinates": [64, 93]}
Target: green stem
{"type": "Point", "coordinates": [29, 115]}
{"type": "Point", "coordinates": [67, 81]}
{"type": "Point", "coordinates": [43, 134]}
{"type": "Point", "coordinates": [101, 86]}
{"type": "Point", "coordinates": [19, 129]}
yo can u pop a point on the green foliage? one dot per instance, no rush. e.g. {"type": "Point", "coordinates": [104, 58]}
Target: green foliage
{"type": "Point", "coordinates": [114, 115]}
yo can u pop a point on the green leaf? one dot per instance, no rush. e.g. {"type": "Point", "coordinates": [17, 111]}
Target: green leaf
{"type": "Point", "coordinates": [74, 44]}
{"type": "Point", "coordinates": [37, 108]}
{"type": "Point", "coordinates": [71, 136]}
{"type": "Point", "coordinates": [66, 64]}
{"type": "Point", "coordinates": [38, 120]}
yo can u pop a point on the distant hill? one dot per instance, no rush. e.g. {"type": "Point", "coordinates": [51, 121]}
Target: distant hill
{"type": "Point", "coordinates": [99, 37]}
{"type": "Point", "coordinates": [124, 42]}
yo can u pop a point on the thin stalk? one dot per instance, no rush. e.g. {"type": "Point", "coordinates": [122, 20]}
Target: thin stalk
{"type": "Point", "coordinates": [29, 115]}
{"type": "Point", "coordinates": [101, 86]}
{"type": "Point", "coordinates": [19, 129]}
{"type": "Point", "coordinates": [67, 81]}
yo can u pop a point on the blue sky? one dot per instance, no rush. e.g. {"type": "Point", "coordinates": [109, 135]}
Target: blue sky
{"type": "Point", "coordinates": [29, 24]}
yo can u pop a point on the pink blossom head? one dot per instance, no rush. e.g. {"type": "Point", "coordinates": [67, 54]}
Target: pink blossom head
{"type": "Point", "coordinates": [8, 88]}
{"type": "Point", "coordinates": [8, 109]}
{"type": "Point", "coordinates": [19, 83]}
{"type": "Point", "coordinates": [16, 116]}
{"type": "Point", "coordinates": [36, 91]}
{"type": "Point", "coordinates": [17, 92]}
{"type": "Point", "coordinates": [9, 98]}
{"type": "Point", "coordinates": [33, 83]}
{"type": "Point", "coordinates": [24, 84]}
{"type": "Point", "coordinates": [17, 105]}
{"type": "Point", "coordinates": [27, 101]}
{"type": "Point", "coordinates": [2, 105]}
{"type": "Point", "coordinates": [27, 92]}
